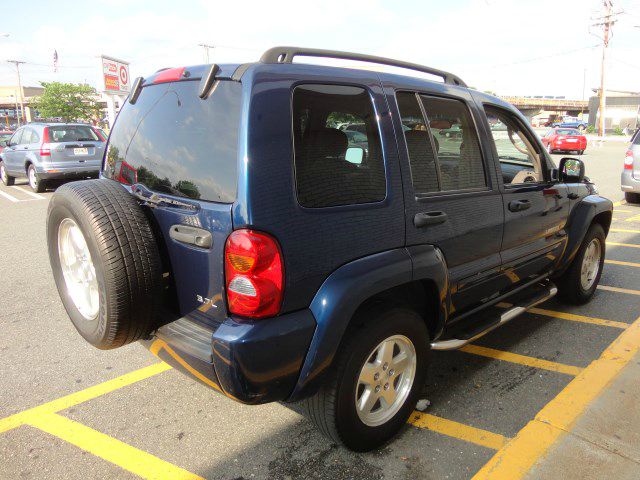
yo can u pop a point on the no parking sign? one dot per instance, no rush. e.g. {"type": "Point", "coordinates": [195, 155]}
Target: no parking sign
{"type": "Point", "coordinates": [115, 75]}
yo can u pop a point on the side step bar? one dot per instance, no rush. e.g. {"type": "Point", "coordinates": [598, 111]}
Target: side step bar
{"type": "Point", "coordinates": [508, 315]}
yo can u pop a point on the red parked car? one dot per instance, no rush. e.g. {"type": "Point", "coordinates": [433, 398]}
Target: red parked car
{"type": "Point", "coordinates": [565, 140]}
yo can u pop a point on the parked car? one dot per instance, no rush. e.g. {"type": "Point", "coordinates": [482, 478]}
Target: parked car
{"type": "Point", "coordinates": [564, 140]}
{"type": "Point", "coordinates": [571, 122]}
{"type": "Point", "coordinates": [45, 151]}
{"type": "Point", "coordinates": [5, 135]}
{"type": "Point", "coordinates": [251, 254]}
{"type": "Point", "coordinates": [631, 172]}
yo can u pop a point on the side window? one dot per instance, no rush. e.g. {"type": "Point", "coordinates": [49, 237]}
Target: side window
{"type": "Point", "coordinates": [519, 160]}
{"type": "Point", "coordinates": [458, 154]}
{"type": "Point", "coordinates": [26, 137]}
{"type": "Point", "coordinates": [422, 160]}
{"type": "Point", "coordinates": [35, 138]}
{"type": "Point", "coordinates": [333, 164]}
{"type": "Point", "coordinates": [15, 139]}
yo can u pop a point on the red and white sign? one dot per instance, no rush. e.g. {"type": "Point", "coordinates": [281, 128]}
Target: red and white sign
{"type": "Point", "coordinates": [115, 75]}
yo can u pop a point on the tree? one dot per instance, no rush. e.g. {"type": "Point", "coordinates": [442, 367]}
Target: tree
{"type": "Point", "coordinates": [70, 101]}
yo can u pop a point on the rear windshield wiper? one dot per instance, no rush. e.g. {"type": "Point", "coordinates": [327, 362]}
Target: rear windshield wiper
{"type": "Point", "coordinates": [153, 199]}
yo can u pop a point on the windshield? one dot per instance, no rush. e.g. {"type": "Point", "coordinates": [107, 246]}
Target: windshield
{"type": "Point", "coordinates": [72, 133]}
{"type": "Point", "coordinates": [567, 131]}
{"type": "Point", "coordinates": [174, 142]}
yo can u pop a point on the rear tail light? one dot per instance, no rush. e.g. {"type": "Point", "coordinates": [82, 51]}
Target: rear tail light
{"type": "Point", "coordinates": [628, 160]}
{"type": "Point", "coordinates": [169, 75]}
{"type": "Point", "coordinates": [254, 274]}
{"type": "Point", "coordinates": [45, 150]}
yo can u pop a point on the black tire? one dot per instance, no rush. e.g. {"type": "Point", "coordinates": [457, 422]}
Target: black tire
{"type": "Point", "coordinates": [7, 179]}
{"type": "Point", "coordinates": [40, 185]}
{"type": "Point", "coordinates": [570, 287]}
{"type": "Point", "coordinates": [124, 254]}
{"type": "Point", "coordinates": [632, 197]}
{"type": "Point", "coordinates": [580, 152]}
{"type": "Point", "coordinates": [333, 409]}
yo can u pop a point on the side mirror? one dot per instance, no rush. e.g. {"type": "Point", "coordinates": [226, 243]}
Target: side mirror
{"type": "Point", "coordinates": [4, 143]}
{"type": "Point", "coordinates": [354, 155]}
{"type": "Point", "coordinates": [571, 170]}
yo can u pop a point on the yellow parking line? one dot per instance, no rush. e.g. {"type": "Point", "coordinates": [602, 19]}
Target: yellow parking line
{"type": "Point", "coordinates": [619, 290]}
{"type": "Point", "coordinates": [522, 359]}
{"type": "Point", "coordinates": [67, 401]}
{"type": "Point", "coordinates": [635, 218]}
{"type": "Point", "coordinates": [621, 202]}
{"type": "Point", "coordinates": [461, 431]}
{"type": "Point", "coordinates": [626, 264]}
{"type": "Point", "coordinates": [623, 211]}
{"type": "Point", "coordinates": [571, 316]}
{"type": "Point", "coordinates": [623, 230]}
{"type": "Point", "coordinates": [108, 448]}
{"type": "Point", "coordinates": [558, 417]}
{"type": "Point", "coordinates": [616, 244]}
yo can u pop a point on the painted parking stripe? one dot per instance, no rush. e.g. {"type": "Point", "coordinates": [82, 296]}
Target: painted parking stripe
{"type": "Point", "coordinates": [522, 359]}
{"type": "Point", "coordinates": [619, 290]}
{"type": "Point", "coordinates": [11, 198]}
{"type": "Point", "coordinates": [108, 448]}
{"type": "Point", "coordinates": [626, 264]}
{"type": "Point", "coordinates": [629, 245]}
{"type": "Point", "coordinates": [461, 431]}
{"type": "Point", "coordinates": [571, 317]}
{"type": "Point", "coordinates": [76, 398]}
{"type": "Point", "coordinates": [635, 218]}
{"type": "Point", "coordinates": [31, 194]}
{"type": "Point", "coordinates": [621, 202]}
{"type": "Point", "coordinates": [514, 460]}
{"type": "Point", "coordinates": [623, 230]}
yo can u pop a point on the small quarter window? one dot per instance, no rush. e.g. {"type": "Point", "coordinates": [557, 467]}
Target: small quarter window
{"type": "Point", "coordinates": [337, 150]}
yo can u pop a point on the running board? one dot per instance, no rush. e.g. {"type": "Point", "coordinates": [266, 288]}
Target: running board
{"type": "Point", "coordinates": [545, 292]}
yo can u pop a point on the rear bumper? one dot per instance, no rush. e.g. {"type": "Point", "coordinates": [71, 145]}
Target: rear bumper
{"type": "Point", "coordinates": [73, 172]}
{"type": "Point", "coordinates": [628, 182]}
{"type": "Point", "coordinates": [252, 363]}
{"type": "Point", "coordinates": [568, 147]}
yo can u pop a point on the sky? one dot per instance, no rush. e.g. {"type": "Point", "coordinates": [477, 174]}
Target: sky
{"type": "Point", "coordinates": [516, 47]}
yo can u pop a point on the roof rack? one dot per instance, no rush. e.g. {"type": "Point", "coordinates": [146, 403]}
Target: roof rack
{"type": "Point", "coordinates": [286, 54]}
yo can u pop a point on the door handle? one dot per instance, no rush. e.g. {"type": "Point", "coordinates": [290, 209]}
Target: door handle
{"type": "Point", "coordinates": [423, 219]}
{"type": "Point", "coordinates": [519, 205]}
{"type": "Point", "coordinates": [194, 236]}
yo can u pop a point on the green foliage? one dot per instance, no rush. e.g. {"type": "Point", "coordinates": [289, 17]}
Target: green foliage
{"type": "Point", "coordinates": [70, 101]}
{"type": "Point", "coordinates": [591, 129]}
{"type": "Point", "coordinates": [618, 131]}
{"type": "Point", "coordinates": [336, 118]}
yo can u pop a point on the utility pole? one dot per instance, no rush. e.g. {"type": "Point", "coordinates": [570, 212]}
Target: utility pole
{"type": "Point", "coordinates": [17, 63]}
{"type": "Point", "coordinates": [607, 21]}
{"type": "Point", "coordinates": [206, 51]}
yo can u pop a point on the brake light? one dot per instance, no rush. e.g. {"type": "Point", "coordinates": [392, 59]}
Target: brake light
{"type": "Point", "coordinates": [254, 274]}
{"type": "Point", "coordinates": [169, 75]}
{"type": "Point", "coordinates": [45, 150]}
{"type": "Point", "coordinates": [628, 160]}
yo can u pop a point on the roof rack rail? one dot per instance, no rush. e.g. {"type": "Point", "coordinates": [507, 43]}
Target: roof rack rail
{"type": "Point", "coordinates": [286, 54]}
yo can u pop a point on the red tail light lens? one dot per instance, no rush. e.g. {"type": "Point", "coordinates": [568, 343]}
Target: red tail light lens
{"type": "Point", "coordinates": [169, 75]}
{"type": "Point", "coordinates": [254, 274]}
{"type": "Point", "coordinates": [45, 151]}
{"type": "Point", "coordinates": [628, 160]}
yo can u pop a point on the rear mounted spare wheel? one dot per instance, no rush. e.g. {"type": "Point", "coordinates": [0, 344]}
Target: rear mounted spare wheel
{"type": "Point", "coordinates": [105, 262]}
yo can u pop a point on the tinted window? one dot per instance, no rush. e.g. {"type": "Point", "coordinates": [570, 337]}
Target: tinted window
{"type": "Point", "coordinates": [422, 160]}
{"type": "Point", "coordinates": [26, 136]}
{"type": "Point", "coordinates": [15, 140]}
{"type": "Point", "coordinates": [567, 131]}
{"type": "Point", "coordinates": [35, 138]}
{"type": "Point", "coordinates": [458, 149]}
{"type": "Point", "coordinates": [72, 133]}
{"type": "Point", "coordinates": [173, 142]}
{"type": "Point", "coordinates": [519, 160]}
{"type": "Point", "coordinates": [324, 175]}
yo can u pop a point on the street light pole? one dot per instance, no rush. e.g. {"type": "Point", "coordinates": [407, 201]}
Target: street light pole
{"type": "Point", "coordinates": [17, 64]}
{"type": "Point", "coordinates": [206, 51]}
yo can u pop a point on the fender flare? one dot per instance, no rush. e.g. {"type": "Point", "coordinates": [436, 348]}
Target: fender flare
{"type": "Point", "coordinates": [337, 300]}
{"type": "Point", "coordinates": [580, 220]}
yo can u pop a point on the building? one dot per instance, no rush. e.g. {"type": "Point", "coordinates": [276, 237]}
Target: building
{"type": "Point", "coordinates": [10, 104]}
{"type": "Point", "coordinates": [622, 110]}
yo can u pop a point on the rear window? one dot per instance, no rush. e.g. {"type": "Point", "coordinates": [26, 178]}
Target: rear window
{"type": "Point", "coordinates": [567, 131]}
{"type": "Point", "coordinates": [176, 143]}
{"type": "Point", "coordinates": [72, 133]}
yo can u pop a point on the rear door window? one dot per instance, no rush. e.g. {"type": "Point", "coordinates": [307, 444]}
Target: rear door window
{"type": "Point", "coordinates": [337, 150]}
{"type": "Point", "coordinates": [26, 137]}
{"type": "Point", "coordinates": [176, 143]}
{"type": "Point", "coordinates": [72, 133]}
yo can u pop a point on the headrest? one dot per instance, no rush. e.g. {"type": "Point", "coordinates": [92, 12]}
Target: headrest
{"type": "Point", "coordinates": [419, 137]}
{"type": "Point", "coordinates": [326, 142]}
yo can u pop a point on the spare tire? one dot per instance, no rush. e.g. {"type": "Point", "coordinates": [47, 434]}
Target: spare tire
{"type": "Point", "coordinates": [105, 262]}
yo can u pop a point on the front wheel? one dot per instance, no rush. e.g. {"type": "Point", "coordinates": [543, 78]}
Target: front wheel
{"type": "Point", "coordinates": [35, 182]}
{"type": "Point", "coordinates": [376, 381]}
{"type": "Point", "coordinates": [7, 179]}
{"type": "Point", "coordinates": [578, 284]}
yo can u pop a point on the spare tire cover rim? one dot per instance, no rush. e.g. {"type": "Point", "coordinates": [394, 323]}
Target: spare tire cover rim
{"type": "Point", "coordinates": [77, 269]}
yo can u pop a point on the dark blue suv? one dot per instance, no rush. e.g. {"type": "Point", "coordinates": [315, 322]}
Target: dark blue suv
{"type": "Point", "coordinates": [250, 242]}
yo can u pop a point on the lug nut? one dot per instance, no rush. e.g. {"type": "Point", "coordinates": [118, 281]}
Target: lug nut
{"type": "Point", "coordinates": [386, 386]}
{"type": "Point", "coordinates": [385, 366]}
{"type": "Point", "coordinates": [377, 388]}
{"type": "Point", "coordinates": [376, 376]}
{"type": "Point", "coordinates": [391, 372]}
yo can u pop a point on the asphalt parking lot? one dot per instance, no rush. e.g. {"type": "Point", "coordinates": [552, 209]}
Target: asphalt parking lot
{"type": "Point", "coordinates": [70, 411]}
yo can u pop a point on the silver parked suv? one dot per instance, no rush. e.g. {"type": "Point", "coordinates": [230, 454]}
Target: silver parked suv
{"type": "Point", "coordinates": [631, 173]}
{"type": "Point", "coordinates": [43, 151]}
